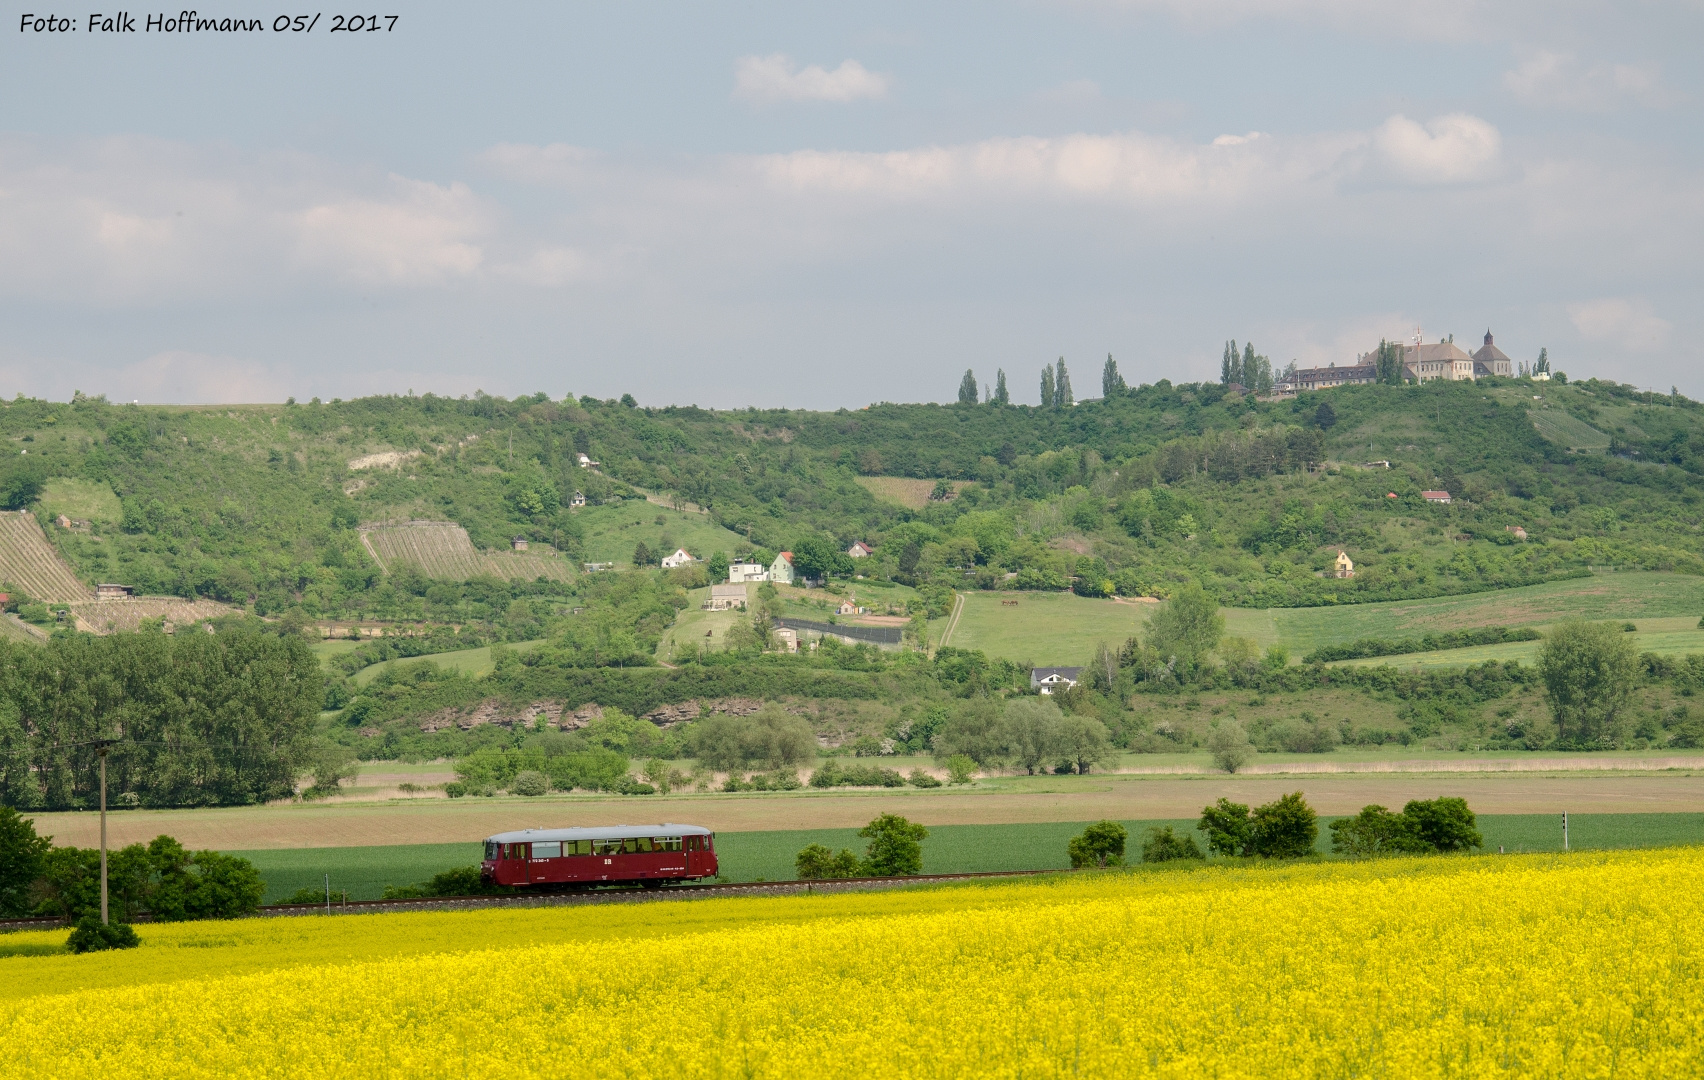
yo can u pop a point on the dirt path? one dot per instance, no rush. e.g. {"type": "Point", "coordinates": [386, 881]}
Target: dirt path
{"type": "Point", "coordinates": [432, 821]}
{"type": "Point", "coordinates": [952, 623]}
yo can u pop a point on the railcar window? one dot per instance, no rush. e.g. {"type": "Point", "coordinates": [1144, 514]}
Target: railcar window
{"type": "Point", "coordinates": [491, 849]}
{"type": "Point", "coordinates": [543, 849]}
{"type": "Point", "coordinates": [576, 847]}
{"type": "Point", "coordinates": [606, 847]}
{"type": "Point", "coordinates": [630, 845]}
{"type": "Point", "coordinates": [666, 843]}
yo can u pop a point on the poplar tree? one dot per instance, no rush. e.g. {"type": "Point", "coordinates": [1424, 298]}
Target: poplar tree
{"type": "Point", "coordinates": [1001, 396]}
{"type": "Point", "coordinates": [1061, 386]}
{"type": "Point", "coordinates": [967, 388]}
{"type": "Point", "coordinates": [1047, 387]}
{"type": "Point", "coordinates": [1112, 383]}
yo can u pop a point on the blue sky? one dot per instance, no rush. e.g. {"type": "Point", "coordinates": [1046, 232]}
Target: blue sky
{"type": "Point", "coordinates": [818, 206]}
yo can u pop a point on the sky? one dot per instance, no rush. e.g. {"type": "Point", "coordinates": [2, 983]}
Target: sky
{"type": "Point", "coordinates": [823, 206]}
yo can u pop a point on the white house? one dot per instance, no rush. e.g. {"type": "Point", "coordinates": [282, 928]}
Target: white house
{"type": "Point", "coordinates": [741, 570]}
{"type": "Point", "coordinates": [578, 500]}
{"type": "Point", "coordinates": [587, 463]}
{"type": "Point", "coordinates": [782, 568]}
{"type": "Point", "coordinates": [680, 557]}
{"type": "Point", "coordinates": [1049, 679]}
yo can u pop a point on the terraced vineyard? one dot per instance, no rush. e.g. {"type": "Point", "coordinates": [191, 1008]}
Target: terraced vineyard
{"type": "Point", "coordinates": [1569, 430]}
{"type": "Point", "coordinates": [111, 616]}
{"type": "Point", "coordinates": [29, 562]}
{"type": "Point", "coordinates": [442, 549]}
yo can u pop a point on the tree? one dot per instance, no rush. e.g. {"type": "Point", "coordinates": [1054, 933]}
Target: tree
{"type": "Point", "coordinates": [1165, 845]}
{"type": "Point", "coordinates": [1324, 416]}
{"type": "Point", "coordinates": [1589, 672]}
{"type": "Point", "coordinates": [641, 554]}
{"type": "Point", "coordinates": [816, 556]}
{"type": "Point", "coordinates": [23, 855]}
{"type": "Point", "coordinates": [817, 863]}
{"type": "Point", "coordinates": [1188, 626]}
{"type": "Point", "coordinates": [1030, 730]}
{"type": "Point", "coordinates": [961, 769]}
{"type": "Point", "coordinates": [1061, 385]}
{"type": "Point", "coordinates": [1230, 364]}
{"type": "Point", "coordinates": [1543, 362]}
{"type": "Point", "coordinates": [967, 388]}
{"type": "Point", "coordinates": [1083, 741]}
{"type": "Point", "coordinates": [771, 738]}
{"type": "Point", "coordinates": [1112, 383]}
{"type": "Point", "coordinates": [1047, 387]}
{"type": "Point", "coordinates": [1387, 363]}
{"type": "Point", "coordinates": [1284, 829]}
{"type": "Point", "coordinates": [1226, 826]}
{"type": "Point", "coordinates": [1001, 395]}
{"type": "Point", "coordinates": [1443, 824]}
{"type": "Point", "coordinates": [718, 567]}
{"type": "Point", "coordinates": [1374, 831]}
{"type": "Point", "coordinates": [1099, 845]}
{"type": "Point", "coordinates": [895, 846]}
{"type": "Point", "coordinates": [1229, 745]}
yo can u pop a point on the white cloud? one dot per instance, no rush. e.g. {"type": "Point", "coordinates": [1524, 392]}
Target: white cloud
{"type": "Point", "coordinates": [1437, 20]}
{"type": "Point", "coordinates": [1560, 80]}
{"type": "Point", "coordinates": [765, 79]}
{"type": "Point", "coordinates": [1629, 322]}
{"type": "Point", "coordinates": [421, 234]}
{"type": "Point", "coordinates": [1449, 149]}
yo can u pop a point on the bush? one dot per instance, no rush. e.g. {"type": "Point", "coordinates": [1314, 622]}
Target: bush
{"type": "Point", "coordinates": [455, 789]}
{"type": "Point", "coordinates": [895, 846]}
{"type": "Point", "coordinates": [961, 769]}
{"type": "Point", "coordinates": [832, 774]}
{"type": "Point", "coordinates": [1444, 824]}
{"type": "Point", "coordinates": [818, 863]}
{"type": "Point", "coordinates": [92, 935]}
{"type": "Point", "coordinates": [771, 737]}
{"type": "Point", "coordinates": [1164, 845]}
{"type": "Point", "coordinates": [1285, 829]}
{"type": "Point", "coordinates": [1373, 831]}
{"type": "Point", "coordinates": [921, 779]}
{"type": "Point", "coordinates": [1101, 844]}
{"type": "Point", "coordinates": [529, 782]}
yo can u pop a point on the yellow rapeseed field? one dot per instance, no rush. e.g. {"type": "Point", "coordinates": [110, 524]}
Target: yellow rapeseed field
{"type": "Point", "coordinates": [1583, 965]}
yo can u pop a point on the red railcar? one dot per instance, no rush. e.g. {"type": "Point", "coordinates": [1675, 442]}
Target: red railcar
{"type": "Point", "coordinates": [646, 854]}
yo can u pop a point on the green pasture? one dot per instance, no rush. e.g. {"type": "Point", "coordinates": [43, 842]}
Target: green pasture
{"type": "Point", "coordinates": [950, 849]}
{"type": "Point", "coordinates": [87, 500]}
{"type": "Point", "coordinates": [475, 662]}
{"type": "Point", "coordinates": [613, 531]}
{"type": "Point", "coordinates": [1048, 629]}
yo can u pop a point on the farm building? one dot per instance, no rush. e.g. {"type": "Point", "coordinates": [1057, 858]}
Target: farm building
{"type": "Point", "coordinates": [725, 597]}
{"type": "Point", "coordinates": [113, 592]}
{"type": "Point", "coordinates": [1049, 679]}
{"type": "Point", "coordinates": [1441, 497]}
{"type": "Point", "coordinates": [681, 557]}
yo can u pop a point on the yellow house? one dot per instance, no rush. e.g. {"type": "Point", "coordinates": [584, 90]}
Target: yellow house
{"type": "Point", "coordinates": [1345, 567]}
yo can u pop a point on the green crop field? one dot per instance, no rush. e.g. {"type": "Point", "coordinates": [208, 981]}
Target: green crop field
{"type": "Point", "coordinates": [1636, 596]}
{"type": "Point", "coordinates": [1049, 629]}
{"type": "Point", "coordinates": [950, 849]}
{"type": "Point", "coordinates": [613, 531]}
{"type": "Point", "coordinates": [475, 662]}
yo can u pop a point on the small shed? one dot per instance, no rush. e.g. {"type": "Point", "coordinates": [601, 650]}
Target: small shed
{"type": "Point", "coordinates": [1520, 533]}
{"type": "Point", "coordinates": [1344, 567]}
{"type": "Point", "coordinates": [578, 500]}
{"type": "Point", "coordinates": [860, 550]}
{"type": "Point", "coordinates": [113, 592]}
{"type": "Point", "coordinates": [1442, 497]}
{"type": "Point", "coordinates": [519, 543]}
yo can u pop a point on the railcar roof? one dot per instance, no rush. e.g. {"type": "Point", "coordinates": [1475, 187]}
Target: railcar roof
{"type": "Point", "coordinates": [598, 832]}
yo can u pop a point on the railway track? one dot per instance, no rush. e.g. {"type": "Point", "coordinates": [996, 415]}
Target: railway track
{"type": "Point", "coordinates": [625, 894]}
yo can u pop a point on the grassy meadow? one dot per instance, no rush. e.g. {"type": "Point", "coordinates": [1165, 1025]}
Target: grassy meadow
{"type": "Point", "coordinates": [613, 531]}
{"type": "Point", "coordinates": [1048, 629]}
{"type": "Point", "coordinates": [474, 662]}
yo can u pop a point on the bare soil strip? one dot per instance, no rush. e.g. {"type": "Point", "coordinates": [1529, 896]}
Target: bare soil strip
{"type": "Point", "coordinates": [1581, 763]}
{"type": "Point", "coordinates": [435, 821]}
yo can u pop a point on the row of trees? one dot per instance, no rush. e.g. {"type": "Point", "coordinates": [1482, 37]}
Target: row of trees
{"type": "Point", "coordinates": [1245, 369]}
